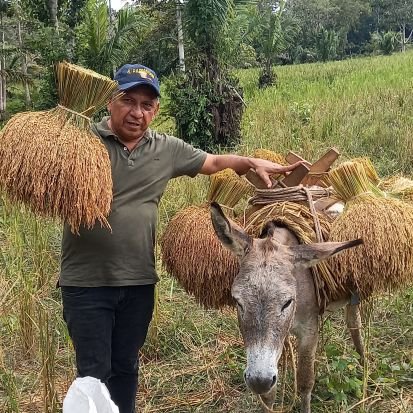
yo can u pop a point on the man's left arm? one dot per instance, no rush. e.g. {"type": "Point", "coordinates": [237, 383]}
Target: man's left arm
{"type": "Point", "coordinates": [242, 164]}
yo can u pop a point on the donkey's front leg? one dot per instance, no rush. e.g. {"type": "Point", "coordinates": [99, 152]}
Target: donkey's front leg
{"type": "Point", "coordinates": [353, 320]}
{"type": "Point", "coordinates": [307, 347]}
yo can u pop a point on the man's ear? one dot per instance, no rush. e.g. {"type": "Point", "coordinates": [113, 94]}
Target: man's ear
{"type": "Point", "coordinates": [230, 234]}
{"type": "Point", "coordinates": [311, 254]}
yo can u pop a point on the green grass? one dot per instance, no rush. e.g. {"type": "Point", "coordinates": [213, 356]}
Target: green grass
{"type": "Point", "coordinates": [361, 106]}
{"type": "Point", "coordinates": [194, 359]}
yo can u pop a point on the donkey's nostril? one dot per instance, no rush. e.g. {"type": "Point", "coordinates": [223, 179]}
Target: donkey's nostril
{"type": "Point", "coordinates": [274, 381]}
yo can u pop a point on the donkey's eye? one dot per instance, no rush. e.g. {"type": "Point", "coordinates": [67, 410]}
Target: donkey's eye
{"type": "Point", "coordinates": [287, 304]}
{"type": "Point", "coordinates": [240, 307]}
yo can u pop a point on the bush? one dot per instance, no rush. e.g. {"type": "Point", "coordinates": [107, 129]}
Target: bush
{"type": "Point", "coordinates": [207, 107]}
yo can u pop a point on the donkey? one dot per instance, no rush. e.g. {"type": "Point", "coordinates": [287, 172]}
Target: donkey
{"type": "Point", "coordinates": [275, 295]}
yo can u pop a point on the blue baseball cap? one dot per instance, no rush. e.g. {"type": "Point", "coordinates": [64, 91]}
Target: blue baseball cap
{"type": "Point", "coordinates": [130, 76]}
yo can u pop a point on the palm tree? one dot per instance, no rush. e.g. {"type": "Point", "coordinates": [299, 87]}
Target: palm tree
{"type": "Point", "coordinates": [107, 45]}
{"type": "Point", "coordinates": [274, 38]}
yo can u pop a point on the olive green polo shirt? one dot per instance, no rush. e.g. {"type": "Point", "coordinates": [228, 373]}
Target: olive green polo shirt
{"type": "Point", "coordinates": [125, 255]}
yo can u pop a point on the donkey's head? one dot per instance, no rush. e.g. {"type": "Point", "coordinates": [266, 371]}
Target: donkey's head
{"type": "Point", "coordinates": [265, 291]}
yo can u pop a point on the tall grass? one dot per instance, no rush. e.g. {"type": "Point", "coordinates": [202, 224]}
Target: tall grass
{"type": "Point", "coordinates": [361, 106]}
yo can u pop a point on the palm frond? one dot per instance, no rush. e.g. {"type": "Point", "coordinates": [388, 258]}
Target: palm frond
{"type": "Point", "coordinates": [15, 76]}
{"type": "Point", "coordinates": [123, 38]}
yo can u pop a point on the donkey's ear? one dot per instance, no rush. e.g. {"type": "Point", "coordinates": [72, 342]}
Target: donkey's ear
{"type": "Point", "coordinates": [309, 255]}
{"type": "Point", "coordinates": [230, 234]}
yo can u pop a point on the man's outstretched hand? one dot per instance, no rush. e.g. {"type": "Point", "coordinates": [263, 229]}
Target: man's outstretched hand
{"type": "Point", "coordinates": [264, 169]}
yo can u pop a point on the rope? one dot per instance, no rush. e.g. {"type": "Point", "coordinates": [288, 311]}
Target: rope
{"type": "Point", "coordinates": [317, 226]}
{"type": "Point", "coordinates": [76, 113]}
{"type": "Point", "coordinates": [361, 193]}
{"type": "Point", "coordinates": [291, 194]}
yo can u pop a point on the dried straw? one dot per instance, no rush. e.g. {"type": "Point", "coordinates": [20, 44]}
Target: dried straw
{"type": "Point", "coordinates": [52, 162]}
{"type": "Point", "coordinates": [399, 187]}
{"type": "Point", "coordinates": [270, 156]}
{"type": "Point", "coordinates": [228, 188]}
{"type": "Point", "coordinates": [385, 261]}
{"type": "Point", "coordinates": [192, 253]}
{"type": "Point", "coordinates": [350, 179]}
{"type": "Point", "coordinates": [369, 169]}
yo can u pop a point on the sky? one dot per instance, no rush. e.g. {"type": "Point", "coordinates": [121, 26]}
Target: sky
{"type": "Point", "coordinates": [117, 4]}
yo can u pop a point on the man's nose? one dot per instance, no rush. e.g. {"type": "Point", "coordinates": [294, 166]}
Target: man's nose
{"type": "Point", "coordinates": [136, 111]}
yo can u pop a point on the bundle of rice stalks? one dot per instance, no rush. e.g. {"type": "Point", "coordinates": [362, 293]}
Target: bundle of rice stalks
{"type": "Point", "coordinates": [385, 261]}
{"type": "Point", "coordinates": [354, 178]}
{"type": "Point", "coordinates": [368, 169]}
{"type": "Point", "coordinates": [299, 220]}
{"type": "Point", "coordinates": [399, 187]}
{"type": "Point", "coordinates": [52, 162]}
{"type": "Point", "coordinates": [270, 156]}
{"type": "Point", "coordinates": [192, 253]}
{"type": "Point", "coordinates": [227, 188]}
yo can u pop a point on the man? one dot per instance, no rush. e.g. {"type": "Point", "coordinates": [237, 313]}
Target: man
{"type": "Point", "coordinates": [107, 277]}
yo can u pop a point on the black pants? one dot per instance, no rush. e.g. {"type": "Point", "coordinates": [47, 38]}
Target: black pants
{"type": "Point", "coordinates": [108, 326]}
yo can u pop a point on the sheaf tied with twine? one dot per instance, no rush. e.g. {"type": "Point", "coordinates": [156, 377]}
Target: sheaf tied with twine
{"type": "Point", "coordinates": [193, 254]}
{"type": "Point", "coordinates": [52, 162]}
{"type": "Point", "coordinates": [385, 261]}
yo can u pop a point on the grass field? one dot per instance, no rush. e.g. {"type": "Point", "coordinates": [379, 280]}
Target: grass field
{"type": "Point", "coordinates": [194, 359]}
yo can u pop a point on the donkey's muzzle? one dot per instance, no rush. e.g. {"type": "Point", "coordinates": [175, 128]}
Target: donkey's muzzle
{"type": "Point", "coordinates": [260, 384]}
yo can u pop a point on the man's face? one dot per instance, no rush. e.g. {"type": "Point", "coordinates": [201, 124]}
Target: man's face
{"type": "Point", "coordinates": [132, 113]}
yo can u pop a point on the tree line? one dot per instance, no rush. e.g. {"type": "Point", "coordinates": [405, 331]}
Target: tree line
{"type": "Point", "coordinates": [194, 44]}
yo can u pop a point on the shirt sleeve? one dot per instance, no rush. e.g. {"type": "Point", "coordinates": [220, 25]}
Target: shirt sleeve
{"type": "Point", "coordinates": [186, 159]}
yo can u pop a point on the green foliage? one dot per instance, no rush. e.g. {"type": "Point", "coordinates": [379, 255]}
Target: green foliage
{"type": "Point", "coordinates": [383, 42]}
{"type": "Point", "coordinates": [206, 21]}
{"type": "Point", "coordinates": [388, 43]}
{"type": "Point", "coordinates": [361, 106]}
{"type": "Point", "coordinates": [103, 46]}
{"type": "Point", "coordinates": [157, 46]}
{"type": "Point", "coordinates": [326, 44]}
{"type": "Point", "coordinates": [52, 48]}
{"type": "Point", "coordinates": [344, 378]}
{"type": "Point", "coordinates": [205, 102]}
{"type": "Point", "coordinates": [207, 114]}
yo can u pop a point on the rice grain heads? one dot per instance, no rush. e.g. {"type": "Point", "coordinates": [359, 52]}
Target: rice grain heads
{"type": "Point", "coordinates": [270, 156]}
{"type": "Point", "coordinates": [192, 253]}
{"type": "Point", "coordinates": [385, 261]}
{"type": "Point", "coordinates": [52, 162]}
{"type": "Point", "coordinates": [398, 187]}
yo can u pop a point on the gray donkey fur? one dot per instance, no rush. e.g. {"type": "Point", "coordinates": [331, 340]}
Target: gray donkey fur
{"type": "Point", "coordinates": [275, 296]}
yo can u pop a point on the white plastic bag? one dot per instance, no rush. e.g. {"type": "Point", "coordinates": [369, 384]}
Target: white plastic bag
{"type": "Point", "coordinates": [88, 395]}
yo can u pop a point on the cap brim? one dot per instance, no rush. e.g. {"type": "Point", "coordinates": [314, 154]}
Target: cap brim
{"type": "Point", "coordinates": [131, 85]}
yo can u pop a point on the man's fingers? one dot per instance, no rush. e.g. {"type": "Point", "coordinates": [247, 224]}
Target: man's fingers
{"type": "Point", "coordinates": [265, 177]}
{"type": "Point", "coordinates": [288, 168]}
